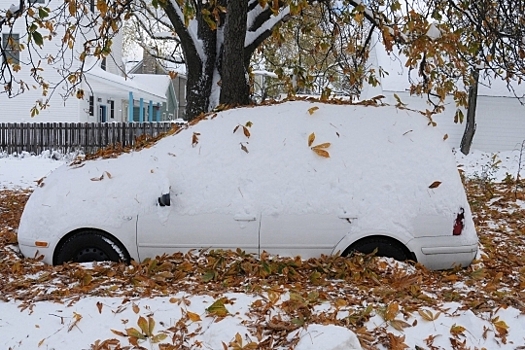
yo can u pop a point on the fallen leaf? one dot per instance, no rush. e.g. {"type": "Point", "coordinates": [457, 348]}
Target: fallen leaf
{"type": "Point", "coordinates": [435, 184]}
{"type": "Point", "coordinates": [312, 110]}
{"type": "Point", "coordinates": [445, 137]}
{"type": "Point", "coordinates": [99, 307]}
{"type": "Point", "coordinates": [311, 139]}
{"type": "Point", "coordinates": [322, 145]}
{"type": "Point", "coordinates": [321, 152]}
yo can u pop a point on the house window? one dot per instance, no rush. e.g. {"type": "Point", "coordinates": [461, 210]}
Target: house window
{"type": "Point", "coordinates": [91, 105]}
{"type": "Point", "coordinates": [112, 109]}
{"type": "Point", "coordinates": [103, 64]}
{"type": "Point", "coordinates": [10, 43]}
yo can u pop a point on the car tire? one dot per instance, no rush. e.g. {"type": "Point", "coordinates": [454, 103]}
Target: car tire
{"type": "Point", "coordinates": [90, 245]}
{"type": "Point", "coordinates": [385, 247]}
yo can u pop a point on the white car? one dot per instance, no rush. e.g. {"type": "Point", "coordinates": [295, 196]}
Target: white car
{"type": "Point", "coordinates": [297, 178]}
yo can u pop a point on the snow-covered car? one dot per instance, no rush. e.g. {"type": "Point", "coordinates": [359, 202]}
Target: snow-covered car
{"type": "Point", "coordinates": [297, 178]}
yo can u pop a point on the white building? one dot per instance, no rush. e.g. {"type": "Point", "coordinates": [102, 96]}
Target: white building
{"type": "Point", "coordinates": [500, 117]}
{"type": "Point", "coordinates": [108, 94]}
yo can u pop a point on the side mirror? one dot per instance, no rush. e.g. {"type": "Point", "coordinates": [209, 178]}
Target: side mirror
{"type": "Point", "coordinates": [164, 200]}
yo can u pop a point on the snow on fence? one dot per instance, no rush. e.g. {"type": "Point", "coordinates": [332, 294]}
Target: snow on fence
{"type": "Point", "coordinates": [67, 137]}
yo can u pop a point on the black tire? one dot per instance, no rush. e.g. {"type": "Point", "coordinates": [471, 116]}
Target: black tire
{"type": "Point", "coordinates": [385, 247]}
{"type": "Point", "coordinates": [88, 246]}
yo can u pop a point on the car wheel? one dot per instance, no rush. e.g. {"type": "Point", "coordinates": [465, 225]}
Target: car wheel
{"type": "Point", "coordinates": [385, 247]}
{"type": "Point", "coordinates": [90, 245]}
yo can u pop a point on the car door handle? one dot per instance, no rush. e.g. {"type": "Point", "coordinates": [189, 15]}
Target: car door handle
{"type": "Point", "coordinates": [244, 218]}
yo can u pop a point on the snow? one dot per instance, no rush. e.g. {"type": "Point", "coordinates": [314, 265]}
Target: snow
{"type": "Point", "coordinates": [49, 325]}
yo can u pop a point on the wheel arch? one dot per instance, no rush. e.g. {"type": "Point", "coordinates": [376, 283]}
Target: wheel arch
{"type": "Point", "coordinates": [76, 231]}
{"type": "Point", "coordinates": [344, 247]}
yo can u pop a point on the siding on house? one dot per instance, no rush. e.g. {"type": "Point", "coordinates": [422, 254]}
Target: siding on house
{"type": "Point", "coordinates": [500, 117]}
{"type": "Point", "coordinates": [500, 121]}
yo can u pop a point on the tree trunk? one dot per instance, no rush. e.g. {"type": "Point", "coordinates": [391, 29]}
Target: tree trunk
{"type": "Point", "coordinates": [470, 124]}
{"type": "Point", "coordinates": [234, 89]}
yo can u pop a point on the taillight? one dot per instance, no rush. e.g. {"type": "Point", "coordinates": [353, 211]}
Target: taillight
{"type": "Point", "coordinates": [459, 223]}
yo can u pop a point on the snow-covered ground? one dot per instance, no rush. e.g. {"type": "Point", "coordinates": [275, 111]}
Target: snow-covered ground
{"type": "Point", "coordinates": [197, 321]}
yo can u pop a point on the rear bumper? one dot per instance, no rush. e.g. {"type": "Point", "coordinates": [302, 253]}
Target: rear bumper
{"type": "Point", "coordinates": [445, 252]}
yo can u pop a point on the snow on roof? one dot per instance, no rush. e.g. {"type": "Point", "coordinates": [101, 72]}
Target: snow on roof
{"type": "Point", "coordinates": [397, 79]}
{"type": "Point", "coordinates": [152, 87]}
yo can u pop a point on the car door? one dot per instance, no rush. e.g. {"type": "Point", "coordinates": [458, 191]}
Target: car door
{"type": "Point", "coordinates": [167, 229]}
{"type": "Point", "coordinates": [307, 235]}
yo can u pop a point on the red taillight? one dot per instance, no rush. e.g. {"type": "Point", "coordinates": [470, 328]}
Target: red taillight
{"type": "Point", "coordinates": [459, 223]}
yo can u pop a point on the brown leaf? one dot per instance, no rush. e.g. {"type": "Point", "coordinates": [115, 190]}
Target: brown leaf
{"type": "Point", "coordinates": [195, 139]}
{"type": "Point", "coordinates": [243, 147]}
{"type": "Point", "coordinates": [119, 333]}
{"type": "Point", "coordinates": [236, 127]}
{"type": "Point", "coordinates": [435, 184]}
{"type": "Point", "coordinates": [391, 311]}
{"type": "Point", "coordinates": [193, 316]}
{"type": "Point", "coordinates": [99, 307]}
{"type": "Point", "coordinates": [109, 175]}
{"type": "Point", "coordinates": [135, 308]}
{"type": "Point", "coordinates": [311, 139]}
{"type": "Point", "coordinates": [396, 343]}
{"type": "Point", "coordinates": [399, 324]}
{"type": "Point", "coordinates": [322, 145]}
{"type": "Point", "coordinates": [312, 110]}
{"type": "Point", "coordinates": [246, 132]}
{"type": "Point", "coordinates": [445, 137]}
{"type": "Point", "coordinates": [321, 152]}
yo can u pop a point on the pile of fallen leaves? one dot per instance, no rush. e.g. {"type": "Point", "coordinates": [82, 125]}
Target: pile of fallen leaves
{"type": "Point", "coordinates": [362, 286]}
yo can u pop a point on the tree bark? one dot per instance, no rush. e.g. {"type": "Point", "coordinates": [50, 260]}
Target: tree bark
{"type": "Point", "coordinates": [470, 124]}
{"type": "Point", "coordinates": [235, 89]}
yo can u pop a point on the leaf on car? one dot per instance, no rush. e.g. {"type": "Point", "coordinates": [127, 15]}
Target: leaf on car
{"type": "Point", "coordinates": [312, 110]}
{"type": "Point", "coordinates": [98, 178]}
{"type": "Point", "coordinates": [311, 139]}
{"type": "Point", "coordinates": [322, 145]}
{"type": "Point", "coordinates": [99, 307]}
{"type": "Point", "coordinates": [321, 152]}
{"type": "Point", "coordinates": [435, 184]}
{"type": "Point", "coordinates": [195, 139]}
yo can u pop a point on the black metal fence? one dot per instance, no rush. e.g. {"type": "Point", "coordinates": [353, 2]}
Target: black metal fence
{"type": "Point", "coordinates": [68, 137]}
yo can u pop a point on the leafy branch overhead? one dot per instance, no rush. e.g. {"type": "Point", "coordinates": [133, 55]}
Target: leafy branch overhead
{"type": "Point", "coordinates": [320, 149]}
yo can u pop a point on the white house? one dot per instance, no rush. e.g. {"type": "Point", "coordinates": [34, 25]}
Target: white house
{"type": "Point", "coordinates": [500, 117]}
{"type": "Point", "coordinates": [108, 94]}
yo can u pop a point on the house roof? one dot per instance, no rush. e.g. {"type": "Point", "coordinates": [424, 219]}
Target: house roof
{"type": "Point", "coordinates": [150, 87]}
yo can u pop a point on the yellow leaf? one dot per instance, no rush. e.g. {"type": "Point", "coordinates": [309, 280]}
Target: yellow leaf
{"type": "Point", "coordinates": [159, 337]}
{"type": "Point", "coordinates": [311, 139]}
{"type": "Point", "coordinates": [144, 326]}
{"type": "Point", "coordinates": [193, 316]}
{"type": "Point", "coordinates": [132, 332]}
{"type": "Point", "coordinates": [457, 330]}
{"type": "Point", "coordinates": [218, 309]}
{"type": "Point", "coordinates": [435, 184]}
{"type": "Point", "coordinates": [322, 145]}
{"type": "Point", "coordinates": [391, 311]}
{"type": "Point", "coordinates": [312, 110]}
{"type": "Point", "coordinates": [321, 152]}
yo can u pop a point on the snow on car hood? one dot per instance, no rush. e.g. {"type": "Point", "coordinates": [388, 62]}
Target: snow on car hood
{"type": "Point", "coordinates": [382, 161]}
